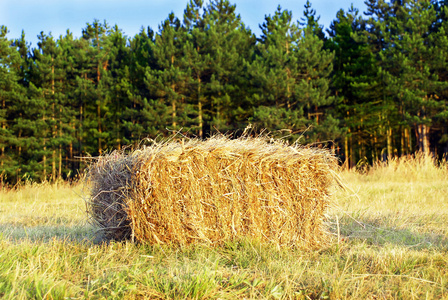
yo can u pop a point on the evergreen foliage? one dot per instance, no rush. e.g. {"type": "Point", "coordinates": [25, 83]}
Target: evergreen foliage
{"type": "Point", "coordinates": [376, 85]}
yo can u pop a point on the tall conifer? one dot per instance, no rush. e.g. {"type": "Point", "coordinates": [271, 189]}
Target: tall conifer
{"type": "Point", "coordinates": [196, 59]}
{"type": "Point", "coordinates": [315, 64]}
{"type": "Point", "coordinates": [120, 87]}
{"type": "Point", "coordinates": [141, 59]}
{"type": "Point", "coordinates": [414, 55]}
{"type": "Point", "coordinates": [354, 84]}
{"type": "Point", "coordinates": [167, 79]}
{"type": "Point", "coordinates": [275, 71]}
{"type": "Point", "coordinates": [10, 94]}
{"type": "Point", "coordinates": [230, 46]}
{"type": "Point", "coordinates": [97, 82]}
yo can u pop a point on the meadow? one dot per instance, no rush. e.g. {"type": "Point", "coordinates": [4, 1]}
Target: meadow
{"type": "Point", "coordinates": [388, 239]}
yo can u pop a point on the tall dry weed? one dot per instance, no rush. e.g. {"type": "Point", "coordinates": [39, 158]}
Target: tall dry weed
{"type": "Point", "coordinates": [417, 167]}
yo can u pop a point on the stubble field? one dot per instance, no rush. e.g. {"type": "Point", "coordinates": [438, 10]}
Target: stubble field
{"type": "Point", "coordinates": [388, 240]}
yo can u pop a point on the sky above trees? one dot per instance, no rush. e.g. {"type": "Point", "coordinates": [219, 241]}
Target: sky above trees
{"type": "Point", "coordinates": [57, 16]}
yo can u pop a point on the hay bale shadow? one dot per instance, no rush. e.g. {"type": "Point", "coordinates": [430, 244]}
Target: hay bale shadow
{"type": "Point", "coordinates": [82, 233]}
{"type": "Point", "coordinates": [373, 231]}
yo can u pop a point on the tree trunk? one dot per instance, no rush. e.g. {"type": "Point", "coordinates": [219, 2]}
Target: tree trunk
{"type": "Point", "coordinates": [360, 153]}
{"type": "Point", "coordinates": [53, 165]}
{"type": "Point", "coordinates": [352, 153]}
{"type": "Point", "coordinates": [200, 118]}
{"type": "Point", "coordinates": [409, 140]}
{"type": "Point", "coordinates": [53, 157]}
{"type": "Point", "coordinates": [173, 107]}
{"type": "Point", "coordinates": [81, 126]}
{"type": "Point", "coordinates": [375, 148]}
{"type": "Point", "coordinates": [70, 156]}
{"type": "Point", "coordinates": [20, 136]}
{"type": "Point", "coordinates": [423, 138]}
{"type": "Point", "coordinates": [98, 78]}
{"type": "Point", "coordinates": [4, 128]}
{"type": "Point", "coordinates": [389, 143]}
{"type": "Point", "coordinates": [426, 146]}
{"type": "Point", "coordinates": [60, 146]}
{"type": "Point", "coordinates": [99, 129]}
{"type": "Point", "coordinates": [404, 142]}
{"type": "Point", "coordinates": [173, 101]}
{"type": "Point", "coordinates": [347, 154]}
{"type": "Point", "coordinates": [44, 158]}
{"type": "Point", "coordinates": [201, 133]}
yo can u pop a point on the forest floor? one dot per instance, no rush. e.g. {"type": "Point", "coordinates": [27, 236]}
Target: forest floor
{"type": "Point", "coordinates": [388, 240]}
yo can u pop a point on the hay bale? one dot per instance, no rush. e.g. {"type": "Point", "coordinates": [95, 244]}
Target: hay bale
{"type": "Point", "coordinates": [214, 191]}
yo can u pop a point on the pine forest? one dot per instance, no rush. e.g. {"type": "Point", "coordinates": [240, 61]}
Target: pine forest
{"type": "Point", "coordinates": [373, 85]}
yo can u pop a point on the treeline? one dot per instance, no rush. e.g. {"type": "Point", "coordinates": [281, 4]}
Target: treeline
{"type": "Point", "coordinates": [376, 85]}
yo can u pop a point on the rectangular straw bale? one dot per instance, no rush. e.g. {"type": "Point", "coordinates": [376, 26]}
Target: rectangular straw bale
{"type": "Point", "coordinates": [217, 190]}
{"type": "Point", "coordinates": [110, 179]}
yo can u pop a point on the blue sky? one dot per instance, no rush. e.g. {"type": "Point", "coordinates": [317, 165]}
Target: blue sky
{"type": "Point", "coordinates": [56, 16]}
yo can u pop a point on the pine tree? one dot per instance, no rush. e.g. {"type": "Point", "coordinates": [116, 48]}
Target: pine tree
{"type": "Point", "coordinates": [42, 78]}
{"type": "Point", "coordinates": [119, 87]}
{"type": "Point", "coordinates": [10, 93]}
{"type": "Point", "coordinates": [275, 71]}
{"type": "Point", "coordinates": [230, 46]}
{"type": "Point", "coordinates": [29, 123]}
{"type": "Point", "coordinates": [69, 110]}
{"type": "Point", "coordinates": [49, 75]}
{"type": "Point", "coordinates": [167, 79]}
{"type": "Point", "coordinates": [315, 64]}
{"type": "Point", "coordinates": [293, 71]}
{"type": "Point", "coordinates": [355, 86]}
{"type": "Point", "coordinates": [310, 20]}
{"type": "Point", "coordinates": [441, 40]}
{"type": "Point", "coordinates": [97, 83]}
{"type": "Point", "coordinates": [416, 55]}
{"type": "Point", "coordinates": [141, 59]}
{"type": "Point", "coordinates": [195, 60]}
{"type": "Point", "coordinates": [378, 33]}
{"type": "Point", "coordinates": [83, 100]}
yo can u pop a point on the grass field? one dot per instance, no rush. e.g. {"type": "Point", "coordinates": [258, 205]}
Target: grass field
{"type": "Point", "coordinates": [388, 240]}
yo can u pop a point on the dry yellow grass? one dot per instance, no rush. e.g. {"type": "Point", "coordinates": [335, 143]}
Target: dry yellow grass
{"type": "Point", "coordinates": [393, 244]}
{"type": "Point", "coordinates": [214, 191]}
{"type": "Point", "coordinates": [43, 211]}
{"type": "Point", "coordinates": [405, 198]}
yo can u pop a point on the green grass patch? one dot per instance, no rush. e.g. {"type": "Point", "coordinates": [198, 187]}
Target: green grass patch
{"type": "Point", "coordinates": [389, 240]}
